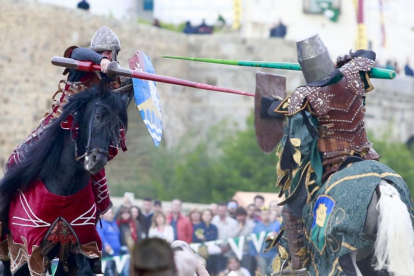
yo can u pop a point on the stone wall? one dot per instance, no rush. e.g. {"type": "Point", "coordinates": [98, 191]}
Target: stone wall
{"type": "Point", "coordinates": [390, 108]}
{"type": "Point", "coordinates": [32, 33]}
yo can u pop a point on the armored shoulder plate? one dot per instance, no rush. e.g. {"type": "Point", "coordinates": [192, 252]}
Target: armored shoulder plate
{"type": "Point", "coordinates": [299, 98]}
{"type": "Point", "coordinates": [351, 72]}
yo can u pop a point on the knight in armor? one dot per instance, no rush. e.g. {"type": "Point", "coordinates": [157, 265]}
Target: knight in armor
{"type": "Point", "coordinates": [105, 46]}
{"type": "Point", "coordinates": [332, 105]}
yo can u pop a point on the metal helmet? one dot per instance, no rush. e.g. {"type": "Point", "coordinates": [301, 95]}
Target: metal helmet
{"type": "Point", "coordinates": [313, 57]}
{"type": "Point", "coordinates": [106, 40]}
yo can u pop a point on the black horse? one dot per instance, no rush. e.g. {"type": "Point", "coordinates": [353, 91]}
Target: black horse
{"type": "Point", "coordinates": [65, 164]}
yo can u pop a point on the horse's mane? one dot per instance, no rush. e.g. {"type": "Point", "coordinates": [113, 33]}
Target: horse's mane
{"type": "Point", "coordinates": [42, 156]}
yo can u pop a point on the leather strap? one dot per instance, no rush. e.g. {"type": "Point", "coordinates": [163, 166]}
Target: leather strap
{"type": "Point", "coordinates": [350, 160]}
{"type": "Point", "coordinates": [296, 239]}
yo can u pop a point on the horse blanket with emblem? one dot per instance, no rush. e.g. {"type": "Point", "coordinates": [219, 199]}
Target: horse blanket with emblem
{"type": "Point", "coordinates": [36, 214]}
{"type": "Point", "coordinates": [339, 209]}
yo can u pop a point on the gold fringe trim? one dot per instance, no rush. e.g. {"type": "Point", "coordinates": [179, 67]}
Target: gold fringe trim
{"type": "Point", "coordinates": [370, 86]}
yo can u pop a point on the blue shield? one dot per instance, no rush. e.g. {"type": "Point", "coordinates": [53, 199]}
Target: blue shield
{"type": "Point", "coordinates": [146, 96]}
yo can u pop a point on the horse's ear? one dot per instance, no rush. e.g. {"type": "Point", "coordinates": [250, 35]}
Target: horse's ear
{"type": "Point", "coordinates": [103, 88]}
{"type": "Point", "coordinates": [127, 91]}
{"type": "Point", "coordinates": [127, 97]}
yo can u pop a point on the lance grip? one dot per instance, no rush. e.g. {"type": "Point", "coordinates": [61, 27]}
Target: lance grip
{"type": "Point", "coordinates": [87, 66]}
{"type": "Point", "coordinates": [113, 70]}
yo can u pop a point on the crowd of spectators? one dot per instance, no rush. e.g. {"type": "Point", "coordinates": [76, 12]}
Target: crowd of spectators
{"type": "Point", "coordinates": [393, 65]}
{"type": "Point", "coordinates": [131, 225]}
{"type": "Point", "coordinates": [203, 28]}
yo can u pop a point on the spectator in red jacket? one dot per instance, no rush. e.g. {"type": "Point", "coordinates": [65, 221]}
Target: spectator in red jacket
{"type": "Point", "coordinates": [183, 230]}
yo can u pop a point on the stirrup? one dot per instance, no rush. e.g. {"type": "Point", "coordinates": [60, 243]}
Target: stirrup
{"type": "Point", "coordinates": [302, 271]}
{"type": "Point", "coordinates": [290, 272]}
{"type": "Point", "coordinates": [286, 270]}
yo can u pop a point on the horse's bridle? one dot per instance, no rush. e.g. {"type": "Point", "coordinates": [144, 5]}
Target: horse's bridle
{"type": "Point", "coordinates": [88, 149]}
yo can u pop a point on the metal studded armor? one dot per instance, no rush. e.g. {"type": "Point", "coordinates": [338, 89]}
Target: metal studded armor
{"type": "Point", "coordinates": [324, 132]}
{"type": "Point", "coordinates": [339, 109]}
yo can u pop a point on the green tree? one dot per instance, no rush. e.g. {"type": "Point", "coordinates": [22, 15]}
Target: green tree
{"type": "Point", "coordinates": [214, 167]}
{"type": "Point", "coordinates": [220, 165]}
{"type": "Point", "coordinates": [397, 156]}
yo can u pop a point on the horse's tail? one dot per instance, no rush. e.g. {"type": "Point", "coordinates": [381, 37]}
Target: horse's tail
{"type": "Point", "coordinates": [394, 247]}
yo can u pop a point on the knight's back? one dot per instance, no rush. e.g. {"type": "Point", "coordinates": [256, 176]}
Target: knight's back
{"type": "Point", "coordinates": [337, 104]}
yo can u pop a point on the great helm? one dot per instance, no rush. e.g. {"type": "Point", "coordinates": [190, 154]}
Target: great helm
{"type": "Point", "coordinates": [106, 40]}
{"type": "Point", "coordinates": [313, 57]}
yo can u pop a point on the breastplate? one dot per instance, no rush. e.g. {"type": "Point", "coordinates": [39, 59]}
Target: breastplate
{"type": "Point", "coordinates": [339, 109]}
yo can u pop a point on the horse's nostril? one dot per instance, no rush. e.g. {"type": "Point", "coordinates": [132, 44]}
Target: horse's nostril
{"type": "Point", "coordinates": [96, 161]}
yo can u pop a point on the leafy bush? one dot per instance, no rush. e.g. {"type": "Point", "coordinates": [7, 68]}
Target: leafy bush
{"type": "Point", "coordinates": [226, 161]}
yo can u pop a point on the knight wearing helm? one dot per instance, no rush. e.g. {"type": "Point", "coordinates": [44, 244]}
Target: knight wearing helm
{"type": "Point", "coordinates": [332, 107]}
{"type": "Point", "coordinates": [104, 48]}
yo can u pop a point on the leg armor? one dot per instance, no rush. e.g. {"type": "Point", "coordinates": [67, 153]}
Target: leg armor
{"type": "Point", "coordinates": [292, 217]}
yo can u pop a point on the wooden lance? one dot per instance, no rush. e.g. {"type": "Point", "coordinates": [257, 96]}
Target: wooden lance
{"type": "Point", "coordinates": [114, 69]}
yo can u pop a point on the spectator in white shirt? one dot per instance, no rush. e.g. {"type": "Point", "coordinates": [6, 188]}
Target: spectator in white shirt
{"type": "Point", "coordinates": [233, 265]}
{"type": "Point", "coordinates": [160, 228]}
{"type": "Point", "coordinates": [227, 228]}
{"type": "Point", "coordinates": [245, 228]}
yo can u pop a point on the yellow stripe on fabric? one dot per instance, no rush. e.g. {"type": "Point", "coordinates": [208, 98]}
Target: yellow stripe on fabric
{"type": "Point", "coordinates": [360, 176]}
{"type": "Point", "coordinates": [348, 246]}
{"type": "Point", "coordinates": [315, 267]}
{"type": "Point", "coordinates": [333, 267]}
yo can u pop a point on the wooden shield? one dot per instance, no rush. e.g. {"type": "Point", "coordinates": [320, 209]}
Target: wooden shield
{"type": "Point", "coordinates": [269, 131]}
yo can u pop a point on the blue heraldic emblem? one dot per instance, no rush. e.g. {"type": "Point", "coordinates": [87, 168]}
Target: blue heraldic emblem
{"type": "Point", "coordinates": [146, 96]}
{"type": "Point", "coordinates": [321, 214]}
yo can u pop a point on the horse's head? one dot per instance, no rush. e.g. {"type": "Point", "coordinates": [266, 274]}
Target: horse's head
{"type": "Point", "coordinates": [100, 123]}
